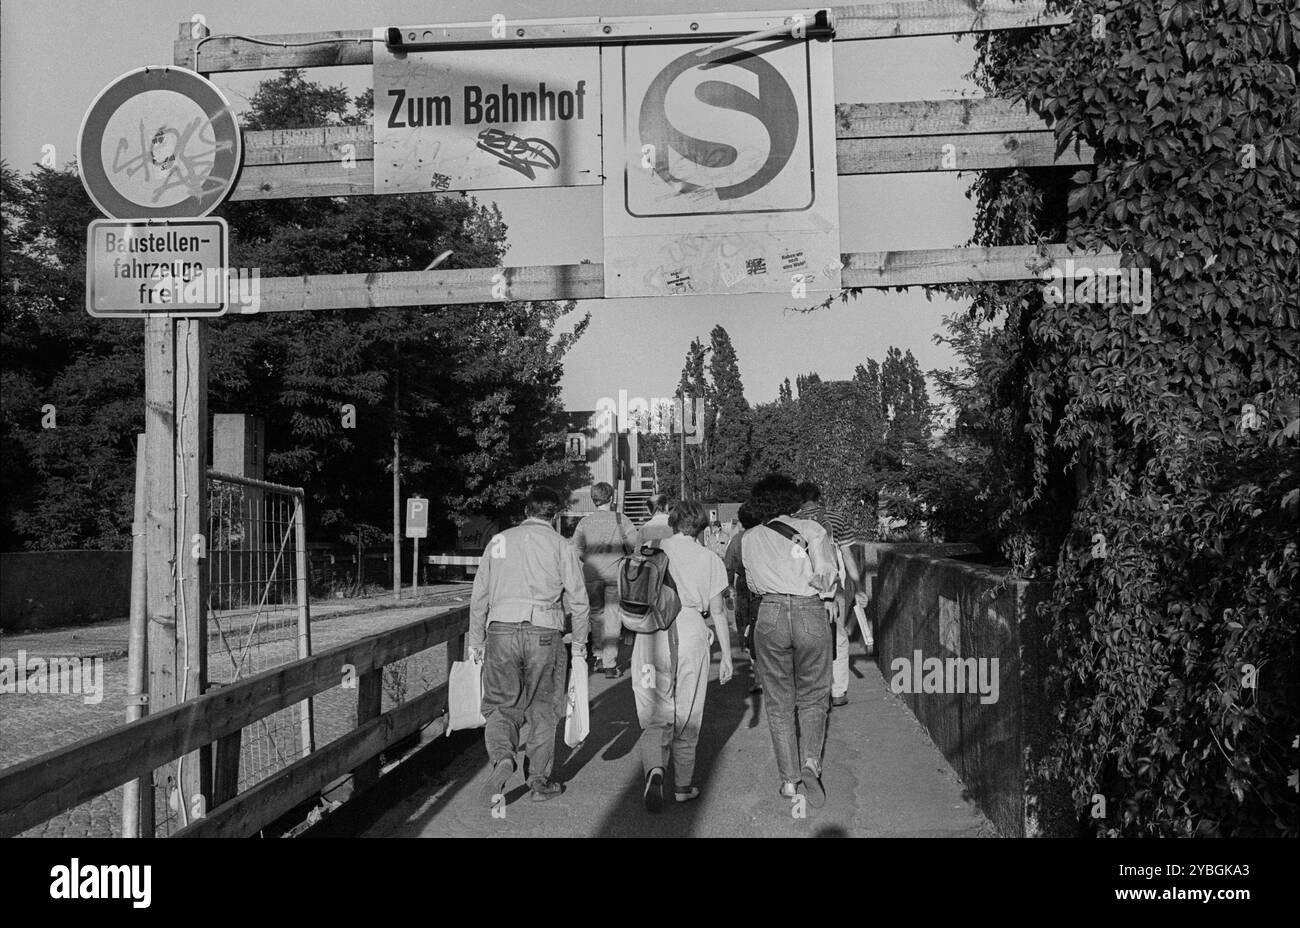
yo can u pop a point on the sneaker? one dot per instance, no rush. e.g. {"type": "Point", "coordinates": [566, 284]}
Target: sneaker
{"type": "Point", "coordinates": [838, 701]}
{"type": "Point", "coordinates": [544, 789]}
{"type": "Point", "coordinates": [812, 785]}
{"type": "Point", "coordinates": [789, 790]}
{"type": "Point", "coordinates": [613, 673]}
{"type": "Point", "coordinates": [686, 794]}
{"type": "Point", "coordinates": [654, 790]}
{"type": "Point", "coordinates": [497, 780]}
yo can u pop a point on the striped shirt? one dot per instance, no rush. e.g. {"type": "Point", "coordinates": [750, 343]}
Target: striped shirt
{"type": "Point", "coordinates": [841, 529]}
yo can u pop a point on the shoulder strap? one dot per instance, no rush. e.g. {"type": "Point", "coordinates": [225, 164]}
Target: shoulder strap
{"type": "Point", "coordinates": [789, 531]}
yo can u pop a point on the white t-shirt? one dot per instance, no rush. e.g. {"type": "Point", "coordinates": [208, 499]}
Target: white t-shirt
{"type": "Point", "coordinates": [698, 572]}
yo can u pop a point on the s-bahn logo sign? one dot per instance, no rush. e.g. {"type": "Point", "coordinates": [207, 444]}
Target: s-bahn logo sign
{"type": "Point", "coordinates": [159, 143]}
{"type": "Point", "coordinates": [720, 169]}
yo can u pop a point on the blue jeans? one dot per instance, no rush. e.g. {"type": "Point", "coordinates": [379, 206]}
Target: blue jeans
{"type": "Point", "coordinates": [792, 646]}
{"type": "Point", "coordinates": [519, 673]}
{"type": "Point", "coordinates": [606, 625]}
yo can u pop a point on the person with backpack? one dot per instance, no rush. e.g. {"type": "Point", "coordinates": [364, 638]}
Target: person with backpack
{"type": "Point", "coordinates": [670, 665]}
{"type": "Point", "coordinates": [526, 577]}
{"type": "Point", "coordinates": [790, 562]}
{"type": "Point", "coordinates": [602, 539]}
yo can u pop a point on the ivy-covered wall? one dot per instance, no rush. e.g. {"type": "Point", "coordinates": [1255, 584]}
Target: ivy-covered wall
{"type": "Point", "coordinates": [1156, 446]}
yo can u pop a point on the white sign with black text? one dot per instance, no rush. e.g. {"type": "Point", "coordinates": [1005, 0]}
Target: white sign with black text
{"type": "Point", "coordinates": [485, 119]}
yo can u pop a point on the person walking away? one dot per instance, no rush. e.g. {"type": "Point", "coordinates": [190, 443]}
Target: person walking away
{"type": "Point", "coordinates": [526, 577]}
{"type": "Point", "coordinates": [657, 528]}
{"type": "Point", "coordinates": [791, 563]}
{"type": "Point", "coordinates": [843, 537]}
{"type": "Point", "coordinates": [602, 539]}
{"type": "Point", "coordinates": [716, 538]}
{"type": "Point", "coordinates": [670, 668]}
{"type": "Point", "coordinates": [746, 603]}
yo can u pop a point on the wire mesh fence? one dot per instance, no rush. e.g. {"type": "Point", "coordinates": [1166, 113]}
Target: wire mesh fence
{"type": "Point", "coordinates": [258, 619]}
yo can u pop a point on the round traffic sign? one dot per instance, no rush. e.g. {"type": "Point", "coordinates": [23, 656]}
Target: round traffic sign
{"type": "Point", "coordinates": [159, 143]}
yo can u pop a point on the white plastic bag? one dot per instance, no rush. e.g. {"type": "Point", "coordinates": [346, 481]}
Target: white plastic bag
{"type": "Point", "coordinates": [577, 715]}
{"type": "Point", "coordinates": [465, 696]}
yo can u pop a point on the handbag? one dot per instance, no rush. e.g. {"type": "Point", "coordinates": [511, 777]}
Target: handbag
{"type": "Point", "coordinates": [465, 696]}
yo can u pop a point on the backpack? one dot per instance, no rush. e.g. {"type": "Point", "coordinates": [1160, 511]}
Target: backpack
{"type": "Point", "coordinates": [647, 595]}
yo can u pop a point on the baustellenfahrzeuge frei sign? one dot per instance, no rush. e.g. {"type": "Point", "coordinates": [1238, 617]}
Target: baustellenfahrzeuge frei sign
{"type": "Point", "coordinates": [484, 119]}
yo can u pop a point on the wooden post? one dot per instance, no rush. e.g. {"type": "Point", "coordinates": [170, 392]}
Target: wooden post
{"type": "Point", "coordinates": [397, 480]}
{"type": "Point", "coordinates": [175, 530]}
{"type": "Point", "coordinates": [137, 795]}
{"type": "Point", "coordinates": [225, 767]}
{"type": "Point", "coordinates": [191, 406]}
{"type": "Point", "coordinates": [370, 695]}
{"type": "Point", "coordinates": [160, 530]}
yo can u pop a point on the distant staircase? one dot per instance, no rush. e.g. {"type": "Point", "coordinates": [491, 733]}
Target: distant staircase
{"type": "Point", "coordinates": [636, 500]}
{"type": "Point", "coordinates": [636, 506]}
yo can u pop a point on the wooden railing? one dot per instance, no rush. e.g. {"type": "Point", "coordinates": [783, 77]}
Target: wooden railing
{"type": "Point", "coordinates": [38, 789]}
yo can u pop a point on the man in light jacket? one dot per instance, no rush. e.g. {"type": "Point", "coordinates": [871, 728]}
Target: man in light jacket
{"type": "Point", "coordinates": [602, 539]}
{"type": "Point", "coordinates": [527, 576]}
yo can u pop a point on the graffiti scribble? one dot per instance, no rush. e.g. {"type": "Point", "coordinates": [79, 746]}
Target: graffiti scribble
{"type": "Point", "coordinates": [518, 154]}
{"type": "Point", "coordinates": [168, 152]}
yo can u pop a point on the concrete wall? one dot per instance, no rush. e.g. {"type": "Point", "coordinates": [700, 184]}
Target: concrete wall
{"type": "Point", "coordinates": [945, 608]}
{"type": "Point", "coordinates": [45, 589]}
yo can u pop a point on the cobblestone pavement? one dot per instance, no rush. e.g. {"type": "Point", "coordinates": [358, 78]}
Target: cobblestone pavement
{"type": "Point", "coordinates": [32, 724]}
{"type": "Point", "coordinates": [883, 777]}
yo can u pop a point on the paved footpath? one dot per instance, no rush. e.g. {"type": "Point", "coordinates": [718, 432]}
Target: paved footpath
{"type": "Point", "coordinates": [883, 776]}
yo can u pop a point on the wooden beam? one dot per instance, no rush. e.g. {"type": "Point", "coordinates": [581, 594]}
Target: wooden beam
{"type": "Point", "coordinates": [960, 265]}
{"type": "Point", "coordinates": [909, 155]}
{"type": "Point", "coordinates": [432, 288]}
{"type": "Point", "coordinates": [965, 116]}
{"type": "Point", "coordinates": [882, 269]}
{"type": "Point", "coordinates": [860, 21]}
{"type": "Point", "coordinates": [41, 787]}
{"type": "Point", "coordinates": [940, 17]}
{"type": "Point", "coordinates": [872, 138]}
{"type": "Point", "coordinates": [257, 807]}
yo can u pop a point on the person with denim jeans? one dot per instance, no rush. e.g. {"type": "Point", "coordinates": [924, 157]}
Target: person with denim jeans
{"type": "Point", "coordinates": [797, 578]}
{"type": "Point", "coordinates": [526, 577]}
{"type": "Point", "coordinates": [603, 538]}
{"type": "Point", "coordinates": [843, 537]}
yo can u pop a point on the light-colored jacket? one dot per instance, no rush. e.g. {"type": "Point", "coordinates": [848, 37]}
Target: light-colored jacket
{"type": "Point", "coordinates": [774, 564]}
{"type": "Point", "coordinates": [602, 539]}
{"type": "Point", "coordinates": [528, 574]}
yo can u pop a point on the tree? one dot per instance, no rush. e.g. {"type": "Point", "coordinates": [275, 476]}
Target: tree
{"type": "Point", "coordinates": [477, 387]}
{"type": "Point", "coordinates": [729, 451]}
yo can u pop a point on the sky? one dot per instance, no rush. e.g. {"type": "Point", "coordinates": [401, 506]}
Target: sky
{"type": "Point", "coordinates": [56, 55]}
